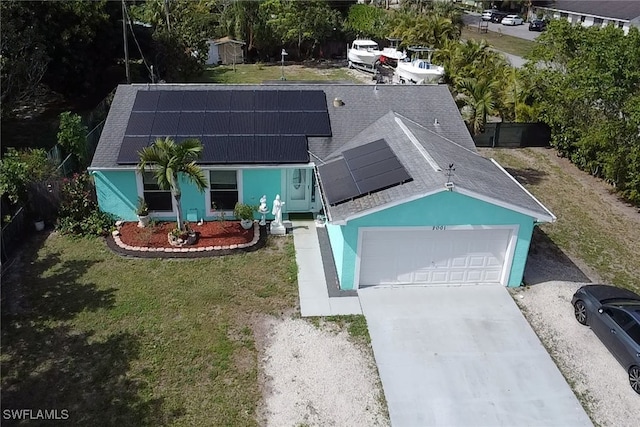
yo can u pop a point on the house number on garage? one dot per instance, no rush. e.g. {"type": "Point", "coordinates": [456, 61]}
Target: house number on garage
{"type": "Point", "coordinates": [439, 227]}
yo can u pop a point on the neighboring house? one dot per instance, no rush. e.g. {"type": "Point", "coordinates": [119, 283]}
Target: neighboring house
{"type": "Point", "coordinates": [225, 51]}
{"type": "Point", "coordinates": [392, 167]}
{"type": "Point", "coordinates": [622, 14]}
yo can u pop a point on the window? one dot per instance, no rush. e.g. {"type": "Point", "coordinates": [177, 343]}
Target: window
{"type": "Point", "coordinates": [564, 15]}
{"type": "Point", "coordinates": [620, 24]}
{"type": "Point", "coordinates": [597, 22]}
{"type": "Point", "coordinates": [582, 18]}
{"type": "Point", "coordinates": [619, 316]}
{"type": "Point", "coordinates": [634, 332]}
{"type": "Point", "coordinates": [158, 200]}
{"type": "Point", "coordinates": [223, 189]}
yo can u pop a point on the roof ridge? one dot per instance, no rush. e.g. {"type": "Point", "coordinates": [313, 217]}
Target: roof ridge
{"type": "Point", "coordinates": [437, 134]}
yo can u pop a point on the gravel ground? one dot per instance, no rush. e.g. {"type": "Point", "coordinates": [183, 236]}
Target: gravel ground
{"type": "Point", "coordinates": [598, 380]}
{"type": "Point", "coordinates": [318, 377]}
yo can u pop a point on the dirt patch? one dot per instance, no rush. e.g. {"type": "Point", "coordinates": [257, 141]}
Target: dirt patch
{"type": "Point", "coordinates": [211, 233]}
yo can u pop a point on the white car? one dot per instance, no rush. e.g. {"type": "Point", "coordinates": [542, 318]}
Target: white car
{"type": "Point", "coordinates": [486, 15]}
{"type": "Point", "coordinates": [512, 20]}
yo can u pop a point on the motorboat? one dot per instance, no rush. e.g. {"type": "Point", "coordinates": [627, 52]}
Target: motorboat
{"type": "Point", "coordinates": [364, 52]}
{"type": "Point", "coordinates": [419, 69]}
{"type": "Point", "coordinates": [392, 54]}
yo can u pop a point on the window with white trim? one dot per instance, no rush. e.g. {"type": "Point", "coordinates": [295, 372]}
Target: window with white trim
{"type": "Point", "coordinates": [223, 189]}
{"type": "Point", "coordinates": [597, 22]}
{"type": "Point", "coordinates": [157, 199]}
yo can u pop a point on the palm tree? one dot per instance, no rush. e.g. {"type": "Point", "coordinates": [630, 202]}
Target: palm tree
{"type": "Point", "coordinates": [167, 160]}
{"type": "Point", "coordinates": [478, 100]}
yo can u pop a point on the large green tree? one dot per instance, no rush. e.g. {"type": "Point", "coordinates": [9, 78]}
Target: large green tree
{"type": "Point", "coordinates": [366, 21]}
{"type": "Point", "coordinates": [169, 161]}
{"type": "Point", "coordinates": [296, 22]}
{"type": "Point", "coordinates": [586, 84]}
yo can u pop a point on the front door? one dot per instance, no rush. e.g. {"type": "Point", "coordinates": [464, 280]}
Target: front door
{"type": "Point", "coordinates": [298, 190]}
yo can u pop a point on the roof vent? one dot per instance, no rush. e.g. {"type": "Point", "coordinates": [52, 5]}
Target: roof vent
{"type": "Point", "coordinates": [449, 185]}
{"type": "Point", "coordinates": [436, 122]}
{"type": "Point", "coordinates": [337, 102]}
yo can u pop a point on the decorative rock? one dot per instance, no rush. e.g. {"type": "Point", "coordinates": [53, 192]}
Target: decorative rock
{"type": "Point", "coordinates": [200, 249]}
{"type": "Point", "coordinates": [144, 249]}
{"type": "Point", "coordinates": [233, 247]}
{"type": "Point", "coordinates": [217, 248]}
{"type": "Point", "coordinates": [115, 233]}
{"type": "Point", "coordinates": [153, 249]}
{"type": "Point", "coordinates": [119, 223]}
{"type": "Point", "coordinates": [209, 248]}
{"type": "Point", "coordinates": [193, 249]}
{"type": "Point", "coordinates": [226, 247]}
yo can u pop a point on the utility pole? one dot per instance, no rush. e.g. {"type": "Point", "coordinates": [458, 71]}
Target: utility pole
{"type": "Point", "coordinates": [125, 41]}
{"type": "Point", "coordinates": [166, 11]}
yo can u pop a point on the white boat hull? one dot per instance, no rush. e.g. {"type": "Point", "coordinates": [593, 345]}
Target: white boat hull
{"type": "Point", "coordinates": [363, 57]}
{"type": "Point", "coordinates": [407, 72]}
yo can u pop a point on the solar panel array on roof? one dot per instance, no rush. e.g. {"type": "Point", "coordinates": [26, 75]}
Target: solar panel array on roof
{"type": "Point", "coordinates": [362, 170]}
{"type": "Point", "coordinates": [276, 122]}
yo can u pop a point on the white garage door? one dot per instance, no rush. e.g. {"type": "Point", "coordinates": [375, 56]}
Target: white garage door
{"type": "Point", "coordinates": [426, 256]}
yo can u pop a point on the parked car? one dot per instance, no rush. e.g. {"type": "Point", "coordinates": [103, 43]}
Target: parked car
{"type": "Point", "coordinates": [614, 316]}
{"type": "Point", "coordinates": [512, 20]}
{"type": "Point", "coordinates": [497, 16]}
{"type": "Point", "coordinates": [486, 14]}
{"type": "Point", "coordinates": [537, 25]}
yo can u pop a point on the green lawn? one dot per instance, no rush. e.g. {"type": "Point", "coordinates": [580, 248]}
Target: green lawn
{"type": "Point", "coordinates": [142, 342]}
{"type": "Point", "coordinates": [259, 72]}
{"type": "Point", "coordinates": [588, 226]}
{"type": "Point", "coordinates": [513, 45]}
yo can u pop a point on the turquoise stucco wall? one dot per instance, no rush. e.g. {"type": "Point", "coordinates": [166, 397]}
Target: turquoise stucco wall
{"type": "Point", "coordinates": [259, 182]}
{"type": "Point", "coordinates": [445, 208]}
{"type": "Point", "coordinates": [117, 193]}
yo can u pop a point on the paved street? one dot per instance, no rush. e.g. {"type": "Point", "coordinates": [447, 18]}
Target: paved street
{"type": "Point", "coordinates": [521, 31]}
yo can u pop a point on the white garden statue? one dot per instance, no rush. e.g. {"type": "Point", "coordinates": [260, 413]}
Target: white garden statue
{"type": "Point", "coordinates": [263, 209]}
{"type": "Point", "coordinates": [277, 228]}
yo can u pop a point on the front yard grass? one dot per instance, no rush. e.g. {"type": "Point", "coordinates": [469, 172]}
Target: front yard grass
{"type": "Point", "coordinates": [589, 227]}
{"type": "Point", "coordinates": [502, 42]}
{"type": "Point", "coordinates": [120, 341]}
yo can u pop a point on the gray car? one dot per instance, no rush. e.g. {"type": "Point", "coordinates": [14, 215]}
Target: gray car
{"type": "Point", "coordinates": [614, 316]}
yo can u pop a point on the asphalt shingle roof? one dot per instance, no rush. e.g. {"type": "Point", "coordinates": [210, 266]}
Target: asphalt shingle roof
{"type": "Point", "coordinates": [625, 10]}
{"type": "Point", "coordinates": [367, 113]}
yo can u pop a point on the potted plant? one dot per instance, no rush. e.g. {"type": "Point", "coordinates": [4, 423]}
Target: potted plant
{"type": "Point", "coordinates": [244, 213]}
{"type": "Point", "coordinates": [178, 237]}
{"type": "Point", "coordinates": [142, 210]}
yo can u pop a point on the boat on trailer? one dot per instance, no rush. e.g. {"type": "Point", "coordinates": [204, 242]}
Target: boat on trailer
{"type": "Point", "coordinates": [364, 54]}
{"type": "Point", "coordinates": [392, 55]}
{"type": "Point", "coordinates": [419, 69]}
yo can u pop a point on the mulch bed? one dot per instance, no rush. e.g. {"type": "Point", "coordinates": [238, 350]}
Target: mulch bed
{"type": "Point", "coordinates": [212, 233]}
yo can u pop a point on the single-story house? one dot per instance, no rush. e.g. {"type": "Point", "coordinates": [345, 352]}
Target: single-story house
{"type": "Point", "coordinates": [225, 51]}
{"type": "Point", "coordinates": [406, 196]}
{"type": "Point", "coordinates": [622, 14]}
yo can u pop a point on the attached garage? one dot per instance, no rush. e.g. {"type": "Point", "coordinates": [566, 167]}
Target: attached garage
{"type": "Point", "coordinates": [407, 205]}
{"type": "Point", "coordinates": [431, 255]}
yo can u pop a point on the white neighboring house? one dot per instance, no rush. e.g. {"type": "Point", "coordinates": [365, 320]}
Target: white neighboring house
{"type": "Point", "coordinates": [225, 51]}
{"type": "Point", "coordinates": [622, 14]}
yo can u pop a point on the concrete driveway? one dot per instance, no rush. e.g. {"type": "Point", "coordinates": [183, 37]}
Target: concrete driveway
{"type": "Point", "coordinates": [463, 356]}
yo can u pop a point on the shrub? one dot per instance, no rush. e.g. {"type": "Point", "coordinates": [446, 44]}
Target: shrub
{"type": "Point", "coordinates": [20, 168]}
{"type": "Point", "coordinates": [72, 135]}
{"type": "Point", "coordinates": [79, 213]}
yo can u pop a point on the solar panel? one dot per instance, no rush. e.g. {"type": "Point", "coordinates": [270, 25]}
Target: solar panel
{"type": "Point", "coordinates": [242, 100]}
{"type": "Point", "coordinates": [146, 101]}
{"type": "Point", "coordinates": [129, 149]}
{"type": "Point", "coordinates": [292, 123]}
{"type": "Point", "coordinates": [241, 123]}
{"type": "Point", "coordinates": [362, 170]}
{"type": "Point", "coordinates": [219, 100]}
{"type": "Point", "coordinates": [337, 183]}
{"type": "Point", "coordinates": [140, 124]}
{"type": "Point", "coordinates": [194, 101]}
{"type": "Point", "coordinates": [165, 124]}
{"type": "Point", "coordinates": [241, 149]}
{"type": "Point", "coordinates": [289, 100]}
{"type": "Point", "coordinates": [191, 124]}
{"type": "Point", "coordinates": [266, 100]}
{"type": "Point", "coordinates": [214, 150]}
{"type": "Point", "coordinates": [170, 100]}
{"type": "Point", "coordinates": [313, 100]}
{"type": "Point", "coordinates": [216, 123]}
{"type": "Point", "coordinates": [267, 123]}
{"type": "Point", "coordinates": [317, 124]}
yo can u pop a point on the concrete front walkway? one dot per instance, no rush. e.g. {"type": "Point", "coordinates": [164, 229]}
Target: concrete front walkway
{"type": "Point", "coordinates": [312, 283]}
{"type": "Point", "coordinates": [464, 356]}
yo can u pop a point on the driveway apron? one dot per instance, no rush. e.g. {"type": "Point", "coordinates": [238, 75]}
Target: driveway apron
{"type": "Point", "coordinates": [464, 356]}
